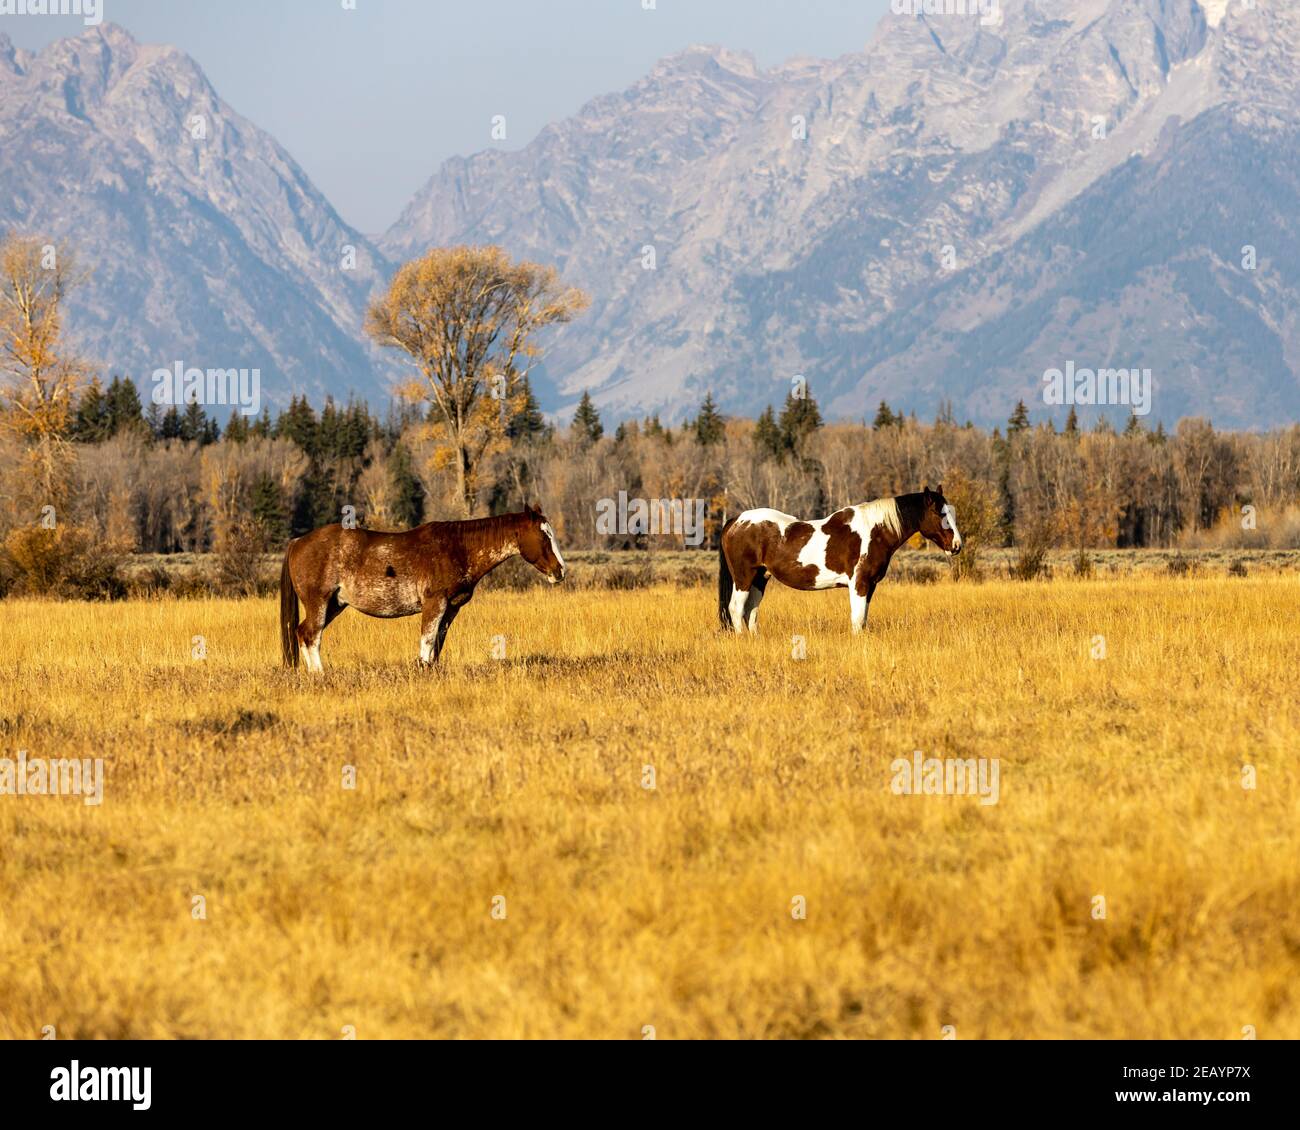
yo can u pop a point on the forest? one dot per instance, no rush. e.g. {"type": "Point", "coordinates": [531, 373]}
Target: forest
{"type": "Point", "coordinates": [154, 481]}
{"type": "Point", "coordinates": [93, 473]}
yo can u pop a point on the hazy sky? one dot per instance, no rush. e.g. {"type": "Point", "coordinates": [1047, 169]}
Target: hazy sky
{"type": "Point", "coordinates": [370, 101]}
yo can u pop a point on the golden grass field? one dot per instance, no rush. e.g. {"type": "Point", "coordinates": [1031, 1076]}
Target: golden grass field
{"type": "Point", "coordinates": [628, 907]}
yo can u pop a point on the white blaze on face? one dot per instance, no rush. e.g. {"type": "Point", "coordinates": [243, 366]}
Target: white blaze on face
{"type": "Point", "coordinates": [950, 520]}
{"type": "Point", "coordinates": [555, 548]}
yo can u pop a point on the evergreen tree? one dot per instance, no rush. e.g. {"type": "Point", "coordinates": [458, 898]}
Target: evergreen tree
{"type": "Point", "coordinates": [237, 430]}
{"type": "Point", "coordinates": [170, 427]}
{"type": "Point", "coordinates": [799, 419]}
{"type": "Point", "coordinates": [356, 430]}
{"type": "Point", "coordinates": [586, 421]}
{"type": "Point", "coordinates": [401, 415]}
{"type": "Point", "coordinates": [93, 423]}
{"type": "Point", "coordinates": [885, 417]}
{"type": "Point", "coordinates": [317, 503]}
{"type": "Point", "coordinates": [709, 426]}
{"type": "Point", "coordinates": [1072, 422]}
{"type": "Point", "coordinates": [299, 425]}
{"type": "Point", "coordinates": [194, 423]}
{"type": "Point", "coordinates": [1019, 421]}
{"type": "Point", "coordinates": [408, 491]}
{"type": "Point", "coordinates": [263, 428]}
{"type": "Point", "coordinates": [1134, 425]}
{"type": "Point", "coordinates": [329, 432]}
{"type": "Point", "coordinates": [527, 423]}
{"type": "Point", "coordinates": [269, 510]}
{"type": "Point", "coordinates": [767, 436]}
{"type": "Point", "coordinates": [125, 411]}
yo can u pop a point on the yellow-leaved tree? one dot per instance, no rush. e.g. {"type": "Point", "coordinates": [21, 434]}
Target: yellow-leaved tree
{"type": "Point", "coordinates": [38, 377]}
{"type": "Point", "coordinates": [42, 550]}
{"type": "Point", "coordinates": [468, 319]}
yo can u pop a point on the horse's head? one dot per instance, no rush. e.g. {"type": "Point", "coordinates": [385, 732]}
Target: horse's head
{"type": "Point", "coordinates": [538, 547]}
{"type": "Point", "coordinates": [939, 521]}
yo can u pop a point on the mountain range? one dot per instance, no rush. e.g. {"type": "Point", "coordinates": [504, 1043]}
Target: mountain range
{"type": "Point", "coordinates": [935, 220]}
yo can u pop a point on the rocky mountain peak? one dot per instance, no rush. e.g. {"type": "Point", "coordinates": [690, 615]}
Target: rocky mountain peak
{"type": "Point", "coordinates": [205, 241]}
{"type": "Point", "coordinates": [938, 215]}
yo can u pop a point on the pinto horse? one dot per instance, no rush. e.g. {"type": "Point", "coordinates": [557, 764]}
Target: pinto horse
{"type": "Point", "coordinates": [850, 549]}
{"type": "Point", "coordinates": [431, 570]}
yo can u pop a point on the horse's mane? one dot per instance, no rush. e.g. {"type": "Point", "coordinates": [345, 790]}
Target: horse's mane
{"type": "Point", "coordinates": [494, 523]}
{"type": "Point", "coordinates": [885, 512]}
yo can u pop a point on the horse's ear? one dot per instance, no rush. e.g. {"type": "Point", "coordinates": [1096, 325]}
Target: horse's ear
{"type": "Point", "coordinates": [939, 490]}
{"type": "Point", "coordinates": [926, 490]}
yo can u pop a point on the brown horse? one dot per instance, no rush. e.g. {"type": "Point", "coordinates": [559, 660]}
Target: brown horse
{"type": "Point", "coordinates": [431, 570]}
{"type": "Point", "coordinates": [850, 549]}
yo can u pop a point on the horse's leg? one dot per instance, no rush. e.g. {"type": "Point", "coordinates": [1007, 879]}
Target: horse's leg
{"type": "Point", "coordinates": [431, 614]}
{"type": "Point", "coordinates": [860, 597]}
{"type": "Point", "coordinates": [453, 606]}
{"type": "Point", "coordinates": [757, 587]}
{"type": "Point", "coordinates": [736, 609]}
{"type": "Point", "coordinates": [739, 563]}
{"type": "Point", "coordinates": [315, 615]}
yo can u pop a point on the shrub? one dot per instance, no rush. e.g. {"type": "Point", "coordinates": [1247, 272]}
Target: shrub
{"type": "Point", "coordinates": [239, 569]}
{"type": "Point", "coordinates": [978, 519]}
{"type": "Point", "coordinates": [628, 576]}
{"type": "Point", "coordinates": [66, 561]}
{"type": "Point", "coordinates": [1031, 563]}
{"type": "Point", "coordinates": [694, 576]}
{"type": "Point", "coordinates": [150, 582]}
{"type": "Point", "coordinates": [1033, 541]}
{"type": "Point", "coordinates": [922, 575]}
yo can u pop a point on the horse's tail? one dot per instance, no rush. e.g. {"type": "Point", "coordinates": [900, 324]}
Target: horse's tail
{"type": "Point", "coordinates": [288, 616]}
{"type": "Point", "coordinates": [726, 583]}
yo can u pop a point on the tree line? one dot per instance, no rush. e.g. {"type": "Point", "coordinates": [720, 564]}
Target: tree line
{"type": "Point", "coordinates": [88, 471]}
{"type": "Point", "coordinates": [1026, 482]}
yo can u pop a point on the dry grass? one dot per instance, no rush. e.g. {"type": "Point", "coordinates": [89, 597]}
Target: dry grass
{"type": "Point", "coordinates": [628, 907]}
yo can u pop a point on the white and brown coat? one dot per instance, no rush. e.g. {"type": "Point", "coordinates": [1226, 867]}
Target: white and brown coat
{"type": "Point", "coordinates": [850, 549]}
